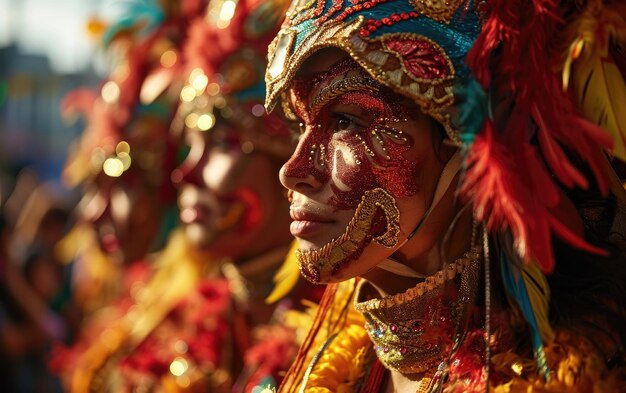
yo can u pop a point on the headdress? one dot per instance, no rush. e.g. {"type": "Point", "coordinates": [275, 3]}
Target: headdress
{"type": "Point", "coordinates": [128, 119]}
{"type": "Point", "coordinates": [495, 73]}
{"type": "Point", "coordinates": [225, 63]}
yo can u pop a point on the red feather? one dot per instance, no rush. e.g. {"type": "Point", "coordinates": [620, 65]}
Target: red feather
{"type": "Point", "coordinates": [527, 203]}
{"type": "Point", "coordinates": [509, 179]}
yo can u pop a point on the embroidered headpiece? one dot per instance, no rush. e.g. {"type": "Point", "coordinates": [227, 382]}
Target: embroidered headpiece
{"type": "Point", "coordinates": [225, 60]}
{"type": "Point", "coordinates": [128, 118]}
{"type": "Point", "coordinates": [415, 47]}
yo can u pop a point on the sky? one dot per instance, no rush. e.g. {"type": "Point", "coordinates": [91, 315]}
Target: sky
{"type": "Point", "coordinates": [55, 28]}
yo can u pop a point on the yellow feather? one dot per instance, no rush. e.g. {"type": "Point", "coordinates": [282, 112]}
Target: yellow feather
{"type": "Point", "coordinates": [598, 86]}
{"type": "Point", "coordinates": [539, 296]}
{"type": "Point", "coordinates": [286, 277]}
{"type": "Point", "coordinates": [601, 95]}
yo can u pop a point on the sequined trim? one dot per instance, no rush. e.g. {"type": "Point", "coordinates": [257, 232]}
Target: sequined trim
{"type": "Point", "coordinates": [339, 88]}
{"type": "Point", "coordinates": [430, 283]}
{"type": "Point", "coordinates": [415, 331]}
{"type": "Point", "coordinates": [380, 57]}
{"type": "Point", "coordinates": [333, 34]}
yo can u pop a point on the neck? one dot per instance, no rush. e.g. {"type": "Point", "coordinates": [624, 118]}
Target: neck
{"type": "Point", "coordinates": [259, 264]}
{"type": "Point", "coordinates": [253, 277]}
{"type": "Point", "coordinates": [450, 244]}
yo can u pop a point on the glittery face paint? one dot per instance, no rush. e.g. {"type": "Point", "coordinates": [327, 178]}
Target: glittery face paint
{"type": "Point", "coordinates": [353, 143]}
{"type": "Point", "coordinates": [356, 137]}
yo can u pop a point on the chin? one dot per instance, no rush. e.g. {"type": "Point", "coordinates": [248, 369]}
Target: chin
{"type": "Point", "coordinates": [320, 239]}
{"type": "Point", "coordinates": [307, 245]}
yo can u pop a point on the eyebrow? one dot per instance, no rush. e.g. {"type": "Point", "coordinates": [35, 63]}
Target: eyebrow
{"type": "Point", "coordinates": [339, 87]}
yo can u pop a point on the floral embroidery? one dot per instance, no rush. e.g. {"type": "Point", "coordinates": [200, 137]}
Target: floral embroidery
{"type": "Point", "coordinates": [421, 58]}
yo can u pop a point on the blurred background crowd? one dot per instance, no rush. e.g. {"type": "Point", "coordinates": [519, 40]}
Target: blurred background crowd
{"type": "Point", "coordinates": [45, 52]}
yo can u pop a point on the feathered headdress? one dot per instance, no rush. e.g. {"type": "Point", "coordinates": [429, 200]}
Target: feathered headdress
{"type": "Point", "coordinates": [128, 118]}
{"type": "Point", "coordinates": [225, 57]}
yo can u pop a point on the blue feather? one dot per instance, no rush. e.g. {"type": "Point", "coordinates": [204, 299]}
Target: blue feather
{"type": "Point", "coordinates": [516, 287]}
{"type": "Point", "coordinates": [471, 105]}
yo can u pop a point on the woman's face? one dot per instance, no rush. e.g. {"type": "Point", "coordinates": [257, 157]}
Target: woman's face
{"type": "Point", "coordinates": [363, 174]}
{"type": "Point", "coordinates": [230, 202]}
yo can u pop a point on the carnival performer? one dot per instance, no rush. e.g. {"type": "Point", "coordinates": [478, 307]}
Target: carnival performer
{"type": "Point", "coordinates": [451, 182]}
{"type": "Point", "coordinates": [122, 163]}
{"type": "Point", "coordinates": [201, 322]}
{"type": "Point", "coordinates": [123, 158]}
{"type": "Point", "coordinates": [231, 207]}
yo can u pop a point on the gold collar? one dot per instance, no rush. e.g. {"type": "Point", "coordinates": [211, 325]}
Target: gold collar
{"type": "Point", "coordinates": [415, 330]}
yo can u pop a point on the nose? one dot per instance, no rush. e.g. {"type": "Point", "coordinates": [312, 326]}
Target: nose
{"type": "Point", "coordinates": [300, 173]}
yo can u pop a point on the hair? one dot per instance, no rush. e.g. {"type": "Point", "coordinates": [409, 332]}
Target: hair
{"type": "Point", "coordinates": [588, 291]}
{"type": "Point", "coordinates": [439, 135]}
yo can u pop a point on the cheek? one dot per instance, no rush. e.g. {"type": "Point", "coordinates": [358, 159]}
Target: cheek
{"type": "Point", "coordinates": [252, 203]}
{"type": "Point", "coordinates": [310, 158]}
{"type": "Point", "coordinates": [256, 192]}
{"type": "Point", "coordinates": [401, 177]}
{"type": "Point", "coordinates": [359, 165]}
{"type": "Point", "coordinates": [351, 174]}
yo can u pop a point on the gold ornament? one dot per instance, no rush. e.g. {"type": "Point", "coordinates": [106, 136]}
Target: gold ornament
{"type": "Point", "coordinates": [357, 234]}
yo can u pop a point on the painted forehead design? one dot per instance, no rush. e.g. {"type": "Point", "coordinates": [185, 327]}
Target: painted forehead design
{"type": "Point", "coordinates": [317, 90]}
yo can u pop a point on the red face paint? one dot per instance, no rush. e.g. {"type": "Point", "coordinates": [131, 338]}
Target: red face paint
{"type": "Point", "coordinates": [352, 136]}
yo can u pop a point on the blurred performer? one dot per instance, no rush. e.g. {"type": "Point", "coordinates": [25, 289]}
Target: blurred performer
{"type": "Point", "coordinates": [451, 184]}
{"type": "Point", "coordinates": [202, 318]}
{"type": "Point", "coordinates": [35, 309]}
{"type": "Point", "coordinates": [230, 200]}
{"type": "Point", "coordinates": [123, 159]}
{"type": "Point", "coordinates": [231, 206]}
{"type": "Point", "coordinates": [122, 162]}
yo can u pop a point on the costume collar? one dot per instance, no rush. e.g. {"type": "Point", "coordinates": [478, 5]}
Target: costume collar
{"type": "Point", "coordinates": [416, 330]}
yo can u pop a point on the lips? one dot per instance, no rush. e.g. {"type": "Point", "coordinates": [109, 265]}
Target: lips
{"type": "Point", "coordinates": [306, 222]}
{"type": "Point", "coordinates": [110, 243]}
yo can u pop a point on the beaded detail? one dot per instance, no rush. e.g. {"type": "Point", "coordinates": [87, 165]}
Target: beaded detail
{"type": "Point", "coordinates": [416, 47]}
{"type": "Point", "coordinates": [357, 235]}
{"type": "Point", "coordinates": [416, 330]}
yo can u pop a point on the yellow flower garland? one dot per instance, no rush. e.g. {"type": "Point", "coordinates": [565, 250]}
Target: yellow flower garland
{"type": "Point", "coordinates": [342, 364]}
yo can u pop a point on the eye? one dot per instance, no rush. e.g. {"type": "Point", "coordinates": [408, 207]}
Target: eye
{"type": "Point", "coordinates": [345, 122]}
